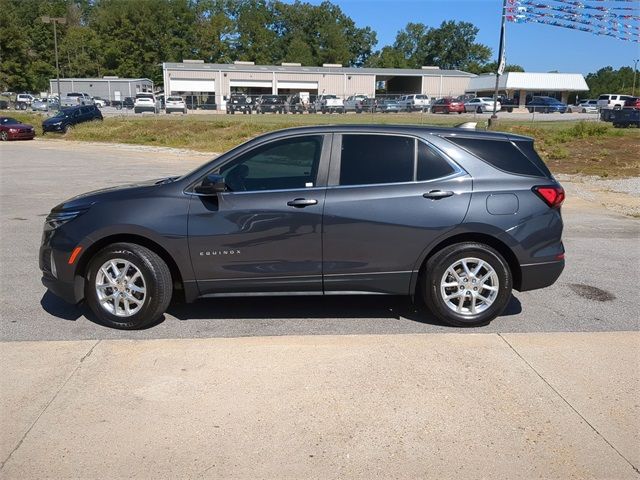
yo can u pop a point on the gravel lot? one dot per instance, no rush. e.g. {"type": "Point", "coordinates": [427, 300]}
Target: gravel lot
{"type": "Point", "coordinates": [592, 294]}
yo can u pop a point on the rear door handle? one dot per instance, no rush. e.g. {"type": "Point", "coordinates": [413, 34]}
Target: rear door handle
{"type": "Point", "coordinates": [302, 202]}
{"type": "Point", "coordinates": [437, 194]}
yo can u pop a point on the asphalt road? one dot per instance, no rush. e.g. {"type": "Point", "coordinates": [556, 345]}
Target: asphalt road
{"type": "Point", "coordinates": [597, 291]}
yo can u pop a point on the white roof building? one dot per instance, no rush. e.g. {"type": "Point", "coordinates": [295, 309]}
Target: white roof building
{"type": "Point", "coordinates": [523, 84]}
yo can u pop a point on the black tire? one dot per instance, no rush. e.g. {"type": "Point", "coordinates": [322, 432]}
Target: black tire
{"type": "Point", "coordinates": [510, 110]}
{"type": "Point", "coordinates": [158, 284]}
{"type": "Point", "coordinates": [66, 129]}
{"type": "Point", "coordinates": [479, 110]}
{"type": "Point", "coordinates": [438, 265]}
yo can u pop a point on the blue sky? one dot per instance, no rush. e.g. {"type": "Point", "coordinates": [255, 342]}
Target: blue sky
{"type": "Point", "coordinates": [537, 48]}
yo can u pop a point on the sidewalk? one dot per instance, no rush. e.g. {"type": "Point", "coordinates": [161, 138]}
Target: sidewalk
{"type": "Point", "coordinates": [547, 405]}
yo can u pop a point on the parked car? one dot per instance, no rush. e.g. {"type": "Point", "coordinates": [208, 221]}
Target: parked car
{"type": "Point", "coordinates": [23, 101]}
{"type": "Point", "coordinates": [546, 105]}
{"type": "Point", "coordinates": [415, 102]}
{"type": "Point", "coordinates": [40, 105]}
{"type": "Point", "coordinates": [175, 104]}
{"type": "Point", "coordinates": [447, 105]}
{"type": "Point", "coordinates": [279, 214]}
{"type": "Point", "coordinates": [100, 102]}
{"type": "Point", "coordinates": [76, 98]}
{"type": "Point", "coordinates": [146, 102]}
{"type": "Point", "coordinates": [238, 102]}
{"type": "Point", "coordinates": [328, 104]}
{"type": "Point", "coordinates": [628, 115]}
{"type": "Point", "coordinates": [12, 129]}
{"type": "Point", "coordinates": [297, 103]}
{"type": "Point", "coordinates": [612, 101]}
{"type": "Point", "coordinates": [389, 105]}
{"type": "Point", "coordinates": [70, 116]}
{"type": "Point", "coordinates": [369, 104]}
{"type": "Point", "coordinates": [127, 103]}
{"type": "Point", "coordinates": [481, 105]}
{"type": "Point", "coordinates": [354, 103]}
{"type": "Point", "coordinates": [585, 106]}
{"type": "Point", "coordinates": [270, 104]}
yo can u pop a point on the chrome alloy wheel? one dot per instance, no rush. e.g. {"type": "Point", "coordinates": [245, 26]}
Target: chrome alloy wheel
{"type": "Point", "coordinates": [469, 286]}
{"type": "Point", "coordinates": [120, 287]}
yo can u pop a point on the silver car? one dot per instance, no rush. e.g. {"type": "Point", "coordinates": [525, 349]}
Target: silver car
{"type": "Point", "coordinates": [481, 105]}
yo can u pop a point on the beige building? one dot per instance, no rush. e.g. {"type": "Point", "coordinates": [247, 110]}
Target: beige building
{"type": "Point", "coordinates": [205, 85]}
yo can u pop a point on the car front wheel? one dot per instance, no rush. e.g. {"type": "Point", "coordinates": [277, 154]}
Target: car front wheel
{"type": "Point", "coordinates": [467, 284]}
{"type": "Point", "coordinates": [128, 286]}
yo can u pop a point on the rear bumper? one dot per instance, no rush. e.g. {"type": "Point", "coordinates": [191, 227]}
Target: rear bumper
{"type": "Point", "coordinates": [539, 275]}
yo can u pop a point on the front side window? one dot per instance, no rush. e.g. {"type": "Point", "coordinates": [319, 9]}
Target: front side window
{"type": "Point", "coordinates": [280, 165]}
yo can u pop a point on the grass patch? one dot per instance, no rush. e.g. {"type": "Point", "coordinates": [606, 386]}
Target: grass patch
{"type": "Point", "coordinates": [589, 148]}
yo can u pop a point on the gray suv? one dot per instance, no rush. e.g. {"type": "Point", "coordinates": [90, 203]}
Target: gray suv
{"type": "Point", "coordinates": [455, 217]}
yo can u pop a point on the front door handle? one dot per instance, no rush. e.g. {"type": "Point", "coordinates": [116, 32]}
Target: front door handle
{"type": "Point", "coordinates": [302, 202]}
{"type": "Point", "coordinates": [437, 194]}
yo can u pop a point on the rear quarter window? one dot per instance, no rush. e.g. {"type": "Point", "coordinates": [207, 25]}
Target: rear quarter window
{"type": "Point", "coordinates": [504, 155]}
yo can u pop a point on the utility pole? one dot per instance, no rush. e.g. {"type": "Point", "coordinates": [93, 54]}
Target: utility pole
{"type": "Point", "coordinates": [635, 71]}
{"type": "Point", "coordinates": [62, 21]}
{"type": "Point", "coordinates": [501, 59]}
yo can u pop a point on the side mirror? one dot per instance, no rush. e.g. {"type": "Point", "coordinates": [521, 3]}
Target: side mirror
{"type": "Point", "coordinates": [212, 184]}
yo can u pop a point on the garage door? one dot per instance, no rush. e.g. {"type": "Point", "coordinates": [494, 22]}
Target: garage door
{"type": "Point", "coordinates": [250, 83]}
{"type": "Point", "coordinates": [193, 85]}
{"type": "Point", "coordinates": [298, 85]}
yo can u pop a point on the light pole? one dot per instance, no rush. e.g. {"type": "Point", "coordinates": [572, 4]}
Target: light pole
{"type": "Point", "coordinates": [501, 59]}
{"type": "Point", "coordinates": [635, 71]}
{"type": "Point", "coordinates": [62, 21]}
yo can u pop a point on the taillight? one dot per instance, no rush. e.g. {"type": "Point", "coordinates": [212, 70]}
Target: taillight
{"type": "Point", "coordinates": [553, 195]}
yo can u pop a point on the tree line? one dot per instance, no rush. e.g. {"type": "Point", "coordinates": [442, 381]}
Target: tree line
{"type": "Point", "coordinates": [131, 38]}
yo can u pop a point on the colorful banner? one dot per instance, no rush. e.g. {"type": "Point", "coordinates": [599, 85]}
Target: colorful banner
{"type": "Point", "coordinates": [581, 16]}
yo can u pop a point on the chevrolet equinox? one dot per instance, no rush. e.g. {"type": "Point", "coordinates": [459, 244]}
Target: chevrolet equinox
{"type": "Point", "coordinates": [456, 217]}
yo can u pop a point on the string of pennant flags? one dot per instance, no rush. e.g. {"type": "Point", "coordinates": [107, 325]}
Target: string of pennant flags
{"type": "Point", "coordinates": [600, 17]}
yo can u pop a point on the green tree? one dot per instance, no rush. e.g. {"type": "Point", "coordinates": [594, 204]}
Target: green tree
{"type": "Point", "coordinates": [450, 46]}
{"type": "Point", "coordinates": [492, 67]}
{"type": "Point", "coordinates": [608, 80]}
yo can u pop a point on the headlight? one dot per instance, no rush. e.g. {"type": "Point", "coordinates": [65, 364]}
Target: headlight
{"type": "Point", "coordinates": [57, 219]}
{"type": "Point", "coordinates": [13, 130]}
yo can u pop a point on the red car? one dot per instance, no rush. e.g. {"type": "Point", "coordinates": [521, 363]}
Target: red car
{"type": "Point", "coordinates": [447, 105]}
{"type": "Point", "coordinates": [12, 129]}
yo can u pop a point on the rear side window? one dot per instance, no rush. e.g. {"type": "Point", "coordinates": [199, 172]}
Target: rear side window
{"type": "Point", "coordinates": [502, 154]}
{"type": "Point", "coordinates": [431, 164]}
{"type": "Point", "coordinates": [374, 159]}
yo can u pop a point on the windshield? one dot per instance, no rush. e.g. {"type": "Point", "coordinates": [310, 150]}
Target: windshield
{"type": "Point", "coordinates": [270, 99]}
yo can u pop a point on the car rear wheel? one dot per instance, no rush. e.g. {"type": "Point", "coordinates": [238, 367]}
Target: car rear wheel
{"type": "Point", "coordinates": [467, 284]}
{"type": "Point", "coordinates": [128, 286]}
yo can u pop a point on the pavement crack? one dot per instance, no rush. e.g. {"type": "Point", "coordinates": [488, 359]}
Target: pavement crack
{"type": "Point", "coordinates": [569, 404]}
{"type": "Point", "coordinates": [19, 444]}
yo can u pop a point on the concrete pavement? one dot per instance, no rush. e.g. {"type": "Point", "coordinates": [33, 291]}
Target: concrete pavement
{"type": "Point", "coordinates": [541, 405]}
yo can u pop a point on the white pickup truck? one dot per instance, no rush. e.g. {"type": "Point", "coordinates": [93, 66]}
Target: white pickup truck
{"type": "Point", "coordinates": [328, 104]}
{"type": "Point", "coordinates": [75, 98]}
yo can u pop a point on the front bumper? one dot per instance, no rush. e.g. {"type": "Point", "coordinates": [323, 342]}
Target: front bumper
{"type": "Point", "coordinates": [22, 135]}
{"type": "Point", "coordinates": [53, 128]}
{"type": "Point", "coordinates": [540, 275]}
